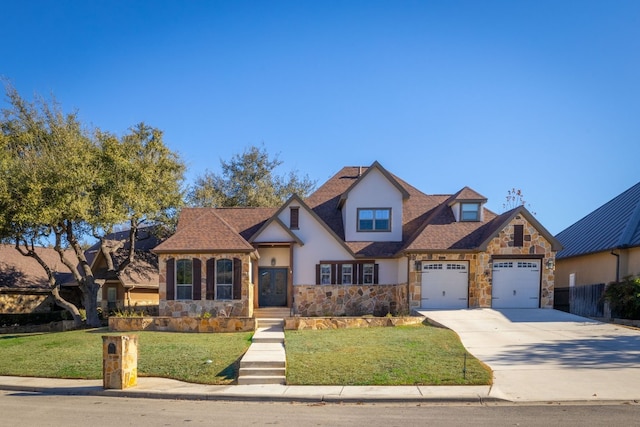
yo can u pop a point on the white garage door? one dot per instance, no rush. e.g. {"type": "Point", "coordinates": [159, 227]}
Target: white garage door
{"type": "Point", "coordinates": [445, 285]}
{"type": "Point", "coordinates": [516, 283]}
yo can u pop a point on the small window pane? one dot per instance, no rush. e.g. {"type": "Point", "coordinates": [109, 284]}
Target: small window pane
{"type": "Point", "coordinates": [347, 274]}
{"type": "Point", "coordinates": [470, 212]}
{"type": "Point", "coordinates": [184, 292]}
{"type": "Point", "coordinates": [325, 274]}
{"type": "Point", "coordinates": [224, 291]}
{"type": "Point", "coordinates": [224, 272]}
{"type": "Point", "coordinates": [367, 274]}
{"type": "Point", "coordinates": [184, 272]}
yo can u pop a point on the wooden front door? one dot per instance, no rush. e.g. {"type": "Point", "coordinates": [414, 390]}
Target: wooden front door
{"type": "Point", "coordinates": [272, 287]}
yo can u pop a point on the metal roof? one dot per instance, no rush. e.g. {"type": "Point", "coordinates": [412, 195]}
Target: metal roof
{"type": "Point", "coordinates": [616, 224]}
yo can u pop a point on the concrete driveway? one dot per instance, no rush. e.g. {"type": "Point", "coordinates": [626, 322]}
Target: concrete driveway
{"type": "Point", "coordinates": [549, 355]}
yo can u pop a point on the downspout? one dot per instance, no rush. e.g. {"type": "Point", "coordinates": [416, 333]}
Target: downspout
{"type": "Point", "coordinates": [617, 265]}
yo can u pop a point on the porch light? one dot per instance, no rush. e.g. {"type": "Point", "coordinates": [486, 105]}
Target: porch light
{"type": "Point", "coordinates": [550, 264]}
{"type": "Point", "coordinates": [418, 265]}
{"type": "Point", "coordinates": [273, 262]}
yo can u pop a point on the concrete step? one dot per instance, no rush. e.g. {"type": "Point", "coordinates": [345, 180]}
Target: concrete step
{"type": "Point", "coordinates": [257, 380]}
{"type": "Point", "coordinates": [272, 312]}
{"type": "Point", "coordinates": [270, 323]}
{"type": "Point", "coordinates": [263, 372]}
{"type": "Point", "coordinates": [268, 335]}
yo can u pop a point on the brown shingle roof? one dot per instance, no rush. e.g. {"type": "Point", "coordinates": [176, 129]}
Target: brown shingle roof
{"type": "Point", "coordinates": [428, 222]}
{"type": "Point", "coordinates": [202, 229]}
{"type": "Point", "coordinates": [22, 272]}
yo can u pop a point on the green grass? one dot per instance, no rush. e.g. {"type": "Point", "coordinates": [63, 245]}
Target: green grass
{"type": "Point", "coordinates": [403, 355]}
{"type": "Point", "coordinates": [78, 354]}
{"type": "Point", "coordinates": [400, 355]}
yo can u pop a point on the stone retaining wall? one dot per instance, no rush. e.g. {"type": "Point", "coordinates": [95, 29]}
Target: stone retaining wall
{"type": "Point", "coordinates": [300, 323]}
{"type": "Point", "coordinates": [182, 324]}
{"type": "Point", "coordinates": [61, 326]}
{"type": "Point", "coordinates": [349, 300]}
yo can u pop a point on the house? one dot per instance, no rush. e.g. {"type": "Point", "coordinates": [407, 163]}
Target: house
{"type": "Point", "coordinates": [135, 287]}
{"type": "Point", "coordinates": [24, 287]}
{"type": "Point", "coordinates": [602, 247]}
{"type": "Point", "coordinates": [365, 242]}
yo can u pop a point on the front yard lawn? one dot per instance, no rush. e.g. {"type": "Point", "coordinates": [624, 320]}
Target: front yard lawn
{"type": "Point", "coordinates": [78, 354]}
{"type": "Point", "coordinates": [400, 355]}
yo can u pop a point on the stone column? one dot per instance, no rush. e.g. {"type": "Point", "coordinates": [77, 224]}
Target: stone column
{"type": "Point", "coordinates": [119, 361]}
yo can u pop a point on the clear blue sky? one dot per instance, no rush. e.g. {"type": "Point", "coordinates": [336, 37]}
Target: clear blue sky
{"type": "Point", "coordinates": [539, 95]}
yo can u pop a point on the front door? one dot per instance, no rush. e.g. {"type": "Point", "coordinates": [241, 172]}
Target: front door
{"type": "Point", "coordinates": [272, 287]}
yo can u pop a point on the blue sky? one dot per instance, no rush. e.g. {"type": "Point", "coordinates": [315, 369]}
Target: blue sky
{"type": "Point", "coordinates": [539, 95]}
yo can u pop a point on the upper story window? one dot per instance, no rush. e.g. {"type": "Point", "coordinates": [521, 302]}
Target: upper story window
{"type": "Point", "coordinates": [470, 211]}
{"type": "Point", "coordinates": [378, 219]}
{"type": "Point", "coordinates": [294, 218]}
{"type": "Point", "coordinates": [184, 279]}
{"type": "Point", "coordinates": [224, 279]}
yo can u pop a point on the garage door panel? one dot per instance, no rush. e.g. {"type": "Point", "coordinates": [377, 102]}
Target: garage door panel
{"type": "Point", "coordinates": [445, 285]}
{"type": "Point", "coordinates": [516, 284]}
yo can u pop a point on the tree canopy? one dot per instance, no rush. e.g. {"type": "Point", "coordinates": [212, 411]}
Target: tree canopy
{"type": "Point", "coordinates": [62, 182]}
{"type": "Point", "coordinates": [248, 180]}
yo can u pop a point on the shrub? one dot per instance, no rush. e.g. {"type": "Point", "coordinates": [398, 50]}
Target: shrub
{"type": "Point", "coordinates": [624, 298]}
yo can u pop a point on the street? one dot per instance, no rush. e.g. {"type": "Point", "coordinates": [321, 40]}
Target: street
{"type": "Point", "coordinates": [34, 409]}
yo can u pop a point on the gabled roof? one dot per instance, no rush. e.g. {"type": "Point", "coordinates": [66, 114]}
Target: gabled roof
{"type": "Point", "coordinates": [203, 230]}
{"type": "Point", "coordinates": [23, 272]}
{"type": "Point", "coordinates": [467, 195]}
{"type": "Point", "coordinates": [141, 272]}
{"type": "Point", "coordinates": [361, 175]}
{"type": "Point", "coordinates": [428, 223]}
{"type": "Point", "coordinates": [616, 224]}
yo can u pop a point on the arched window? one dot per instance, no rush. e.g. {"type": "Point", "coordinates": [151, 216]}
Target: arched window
{"type": "Point", "coordinates": [184, 279]}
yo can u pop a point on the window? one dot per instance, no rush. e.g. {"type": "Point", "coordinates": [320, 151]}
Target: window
{"type": "Point", "coordinates": [347, 274]}
{"type": "Point", "coordinates": [184, 279]}
{"type": "Point", "coordinates": [367, 274]}
{"type": "Point", "coordinates": [518, 235]}
{"type": "Point", "coordinates": [374, 219]}
{"type": "Point", "coordinates": [470, 211]}
{"type": "Point", "coordinates": [325, 274]}
{"type": "Point", "coordinates": [294, 217]}
{"type": "Point", "coordinates": [224, 279]}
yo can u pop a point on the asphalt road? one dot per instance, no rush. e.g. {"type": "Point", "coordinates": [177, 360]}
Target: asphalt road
{"type": "Point", "coordinates": [33, 409]}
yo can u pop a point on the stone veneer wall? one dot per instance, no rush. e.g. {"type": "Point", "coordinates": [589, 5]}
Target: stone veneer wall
{"type": "Point", "coordinates": [349, 300]}
{"type": "Point", "coordinates": [300, 323]}
{"type": "Point", "coordinates": [480, 267]}
{"type": "Point", "coordinates": [23, 302]}
{"type": "Point", "coordinates": [195, 308]}
{"type": "Point", "coordinates": [182, 324]}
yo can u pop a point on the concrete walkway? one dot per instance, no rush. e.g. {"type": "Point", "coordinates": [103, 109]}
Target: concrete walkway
{"type": "Point", "coordinates": [542, 354]}
{"type": "Point", "coordinates": [265, 362]}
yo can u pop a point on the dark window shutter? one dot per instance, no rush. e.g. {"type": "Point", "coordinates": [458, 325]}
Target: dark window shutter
{"type": "Point", "coordinates": [317, 274]}
{"type": "Point", "coordinates": [237, 278]}
{"type": "Point", "coordinates": [334, 271]}
{"type": "Point", "coordinates": [197, 279]}
{"type": "Point", "coordinates": [359, 274]}
{"type": "Point", "coordinates": [294, 218]}
{"type": "Point", "coordinates": [518, 235]}
{"type": "Point", "coordinates": [375, 273]}
{"type": "Point", "coordinates": [339, 273]}
{"type": "Point", "coordinates": [171, 279]}
{"type": "Point", "coordinates": [211, 271]}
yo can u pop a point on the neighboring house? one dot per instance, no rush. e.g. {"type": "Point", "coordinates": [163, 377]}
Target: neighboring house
{"type": "Point", "coordinates": [24, 287]}
{"type": "Point", "coordinates": [364, 242]}
{"type": "Point", "coordinates": [136, 287]}
{"type": "Point", "coordinates": [604, 246]}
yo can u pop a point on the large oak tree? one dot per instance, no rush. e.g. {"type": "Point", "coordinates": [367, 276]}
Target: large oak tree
{"type": "Point", "coordinates": [248, 180]}
{"type": "Point", "coordinates": [62, 183]}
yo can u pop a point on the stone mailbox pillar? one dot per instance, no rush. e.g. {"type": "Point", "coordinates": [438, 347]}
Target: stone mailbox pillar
{"type": "Point", "coordinates": [119, 361]}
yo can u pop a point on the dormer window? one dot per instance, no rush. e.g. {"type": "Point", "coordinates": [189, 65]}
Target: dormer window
{"type": "Point", "coordinates": [378, 219]}
{"type": "Point", "coordinates": [470, 211]}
